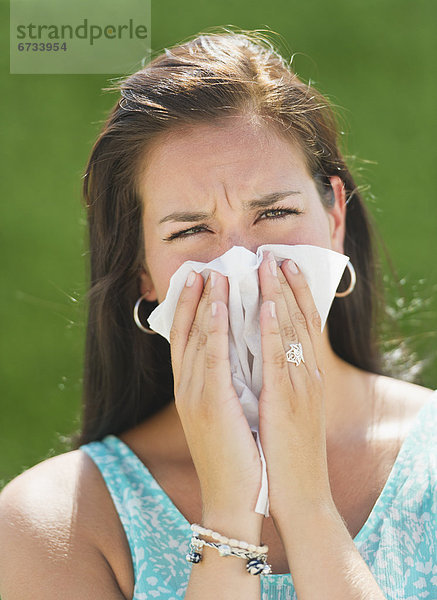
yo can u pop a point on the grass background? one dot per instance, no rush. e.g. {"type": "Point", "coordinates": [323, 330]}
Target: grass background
{"type": "Point", "coordinates": [376, 59]}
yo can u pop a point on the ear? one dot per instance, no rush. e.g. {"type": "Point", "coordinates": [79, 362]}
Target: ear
{"type": "Point", "coordinates": [337, 215]}
{"type": "Point", "coordinates": [146, 286]}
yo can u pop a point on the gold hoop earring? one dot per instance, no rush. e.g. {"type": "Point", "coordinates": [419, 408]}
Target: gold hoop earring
{"type": "Point", "coordinates": [137, 318]}
{"type": "Point", "coordinates": [351, 284]}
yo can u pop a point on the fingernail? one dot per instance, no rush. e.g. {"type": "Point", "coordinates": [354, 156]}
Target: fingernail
{"type": "Point", "coordinates": [190, 279]}
{"type": "Point", "coordinates": [213, 278]}
{"type": "Point", "coordinates": [292, 266]}
{"type": "Point", "coordinates": [272, 263]}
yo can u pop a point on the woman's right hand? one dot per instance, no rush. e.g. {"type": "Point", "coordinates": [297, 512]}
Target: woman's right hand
{"type": "Point", "coordinates": [218, 435]}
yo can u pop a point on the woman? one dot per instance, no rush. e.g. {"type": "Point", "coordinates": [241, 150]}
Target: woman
{"type": "Point", "coordinates": [209, 127]}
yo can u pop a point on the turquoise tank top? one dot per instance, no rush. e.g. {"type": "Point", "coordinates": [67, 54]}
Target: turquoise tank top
{"type": "Point", "coordinates": [398, 541]}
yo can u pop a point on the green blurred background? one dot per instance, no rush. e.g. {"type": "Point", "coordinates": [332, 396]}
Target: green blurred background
{"type": "Point", "coordinates": [375, 59]}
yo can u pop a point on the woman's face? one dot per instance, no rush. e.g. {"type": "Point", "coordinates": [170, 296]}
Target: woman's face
{"type": "Point", "coordinates": [223, 170]}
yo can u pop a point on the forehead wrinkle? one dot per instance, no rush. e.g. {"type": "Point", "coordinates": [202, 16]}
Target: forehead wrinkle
{"type": "Point", "coordinates": [265, 201]}
{"type": "Point", "coordinates": [226, 196]}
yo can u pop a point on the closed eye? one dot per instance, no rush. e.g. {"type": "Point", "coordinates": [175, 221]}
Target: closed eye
{"type": "Point", "coordinates": [202, 228]}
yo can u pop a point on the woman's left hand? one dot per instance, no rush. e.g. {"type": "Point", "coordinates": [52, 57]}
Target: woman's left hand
{"type": "Point", "coordinates": [291, 403]}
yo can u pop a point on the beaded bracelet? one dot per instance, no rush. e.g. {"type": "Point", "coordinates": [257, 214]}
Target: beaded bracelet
{"type": "Point", "coordinates": [255, 555]}
{"type": "Point", "coordinates": [224, 540]}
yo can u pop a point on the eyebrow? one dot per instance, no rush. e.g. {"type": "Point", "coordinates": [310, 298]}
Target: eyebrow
{"type": "Point", "coordinates": [263, 202]}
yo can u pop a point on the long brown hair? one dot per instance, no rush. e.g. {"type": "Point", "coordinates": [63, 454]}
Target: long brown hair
{"type": "Point", "coordinates": [127, 373]}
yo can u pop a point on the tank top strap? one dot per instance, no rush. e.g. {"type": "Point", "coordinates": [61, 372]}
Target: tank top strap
{"type": "Point", "coordinates": [121, 478]}
{"type": "Point", "coordinates": [157, 533]}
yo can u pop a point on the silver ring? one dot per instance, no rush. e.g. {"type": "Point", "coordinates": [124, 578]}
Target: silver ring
{"type": "Point", "coordinates": [295, 355]}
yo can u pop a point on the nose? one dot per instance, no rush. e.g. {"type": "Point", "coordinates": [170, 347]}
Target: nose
{"type": "Point", "coordinates": [237, 239]}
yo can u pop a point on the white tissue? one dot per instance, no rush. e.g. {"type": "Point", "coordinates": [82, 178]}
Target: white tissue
{"type": "Point", "coordinates": [322, 269]}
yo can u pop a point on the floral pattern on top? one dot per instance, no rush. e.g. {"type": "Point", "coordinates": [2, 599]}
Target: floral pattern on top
{"type": "Point", "coordinates": [398, 542]}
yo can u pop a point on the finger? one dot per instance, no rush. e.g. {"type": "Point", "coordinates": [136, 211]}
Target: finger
{"type": "Point", "coordinates": [217, 367]}
{"type": "Point", "coordinates": [186, 328]}
{"type": "Point", "coordinates": [291, 322]}
{"type": "Point", "coordinates": [219, 291]}
{"type": "Point", "coordinates": [298, 319]}
{"type": "Point", "coordinates": [275, 370]}
{"type": "Point", "coordinates": [306, 306]}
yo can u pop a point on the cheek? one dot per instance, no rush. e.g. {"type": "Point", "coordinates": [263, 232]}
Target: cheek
{"type": "Point", "coordinates": [160, 265]}
{"type": "Point", "coordinates": [162, 274]}
{"type": "Point", "coordinates": [314, 231]}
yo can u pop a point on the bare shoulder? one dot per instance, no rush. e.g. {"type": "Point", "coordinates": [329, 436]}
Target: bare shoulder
{"type": "Point", "coordinates": [61, 490]}
{"type": "Point", "coordinates": [56, 521]}
{"type": "Point", "coordinates": [397, 405]}
{"type": "Point", "coordinates": [402, 395]}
